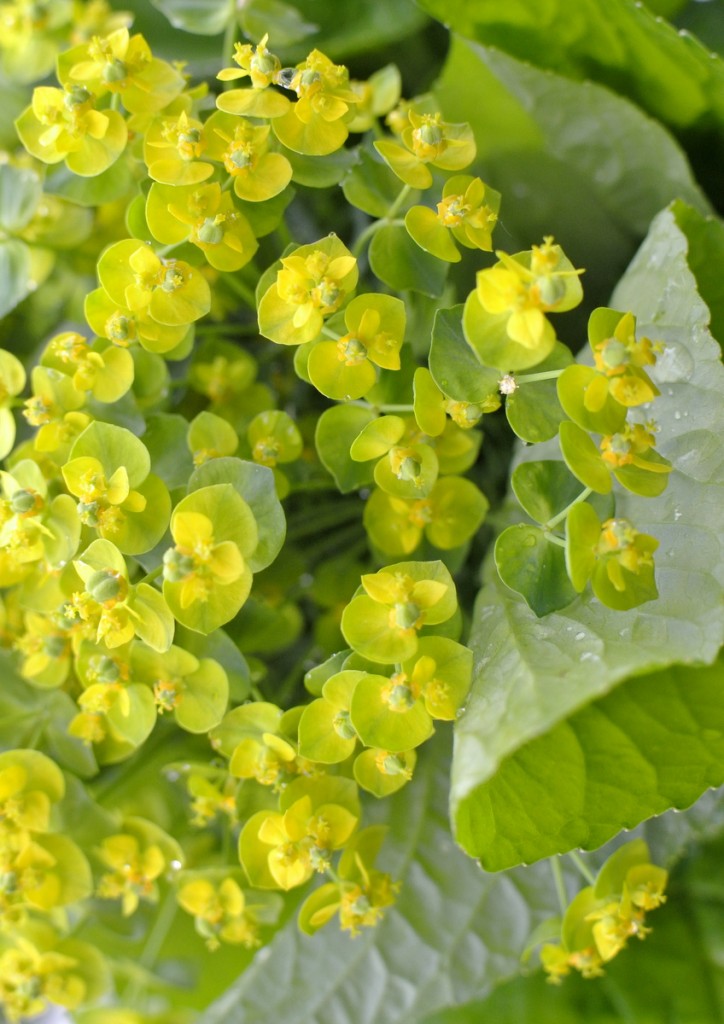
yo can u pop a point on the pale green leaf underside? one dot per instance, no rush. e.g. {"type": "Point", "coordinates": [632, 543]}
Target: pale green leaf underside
{"type": "Point", "coordinates": [532, 674]}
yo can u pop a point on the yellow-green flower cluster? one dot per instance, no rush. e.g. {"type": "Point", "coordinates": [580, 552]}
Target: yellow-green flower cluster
{"type": "Point", "coordinates": [311, 757]}
{"type": "Point", "coordinates": [604, 916]}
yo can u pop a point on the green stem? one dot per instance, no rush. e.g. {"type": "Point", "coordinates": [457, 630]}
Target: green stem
{"type": "Point", "coordinates": [562, 515]}
{"type": "Point", "coordinates": [166, 249]}
{"type": "Point", "coordinates": [257, 694]}
{"type": "Point", "coordinates": [394, 408]}
{"type": "Point", "coordinates": [314, 485]}
{"type": "Point", "coordinates": [242, 290]}
{"type": "Point", "coordinates": [559, 883]}
{"type": "Point", "coordinates": [582, 867]}
{"type": "Point", "coordinates": [333, 875]}
{"type": "Point", "coordinates": [153, 575]}
{"type": "Point", "coordinates": [227, 45]}
{"type": "Point", "coordinates": [341, 538]}
{"type": "Point", "coordinates": [161, 928]}
{"type": "Point", "coordinates": [232, 329]}
{"type": "Point", "coordinates": [156, 938]}
{"type": "Point", "coordinates": [529, 378]}
{"type": "Point", "coordinates": [364, 238]}
{"type": "Point", "coordinates": [335, 516]}
{"type": "Point", "coordinates": [552, 539]}
{"type": "Point", "coordinates": [403, 194]}
{"type": "Point", "coordinates": [329, 333]}
{"type": "Point", "coordinates": [386, 221]}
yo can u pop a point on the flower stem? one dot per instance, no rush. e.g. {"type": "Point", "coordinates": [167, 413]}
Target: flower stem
{"type": "Point", "coordinates": [582, 867]}
{"type": "Point", "coordinates": [402, 196]}
{"type": "Point", "coordinates": [562, 515]}
{"type": "Point", "coordinates": [227, 45]}
{"type": "Point", "coordinates": [530, 378]}
{"type": "Point", "coordinates": [559, 883]}
{"type": "Point", "coordinates": [385, 221]}
{"type": "Point", "coordinates": [153, 575]}
{"type": "Point", "coordinates": [552, 539]}
{"type": "Point", "coordinates": [242, 290]}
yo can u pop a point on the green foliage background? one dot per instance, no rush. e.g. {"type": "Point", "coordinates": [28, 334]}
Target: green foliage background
{"type": "Point", "coordinates": [602, 125]}
{"type": "Point", "coordinates": [590, 118]}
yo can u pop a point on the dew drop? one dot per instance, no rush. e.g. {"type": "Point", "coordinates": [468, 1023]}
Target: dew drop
{"type": "Point", "coordinates": [580, 636]}
{"type": "Point", "coordinates": [175, 864]}
{"type": "Point", "coordinates": [677, 415]}
{"type": "Point", "coordinates": [677, 514]}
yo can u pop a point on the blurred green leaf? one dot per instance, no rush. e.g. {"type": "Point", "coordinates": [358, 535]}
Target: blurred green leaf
{"type": "Point", "coordinates": [202, 17]}
{"type": "Point", "coordinates": [620, 44]}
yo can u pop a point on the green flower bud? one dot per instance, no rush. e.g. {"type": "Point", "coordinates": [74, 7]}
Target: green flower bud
{"type": "Point", "coordinates": [400, 698]}
{"type": "Point", "coordinates": [76, 96]}
{"type": "Point", "coordinates": [394, 765]}
{"type": "Point", "coordinates": [54, 646]}
{"type": "Point", "coordinates": [23, 502]}
{"type": "Point", "coordinates": [106, 586]}
{"type": "Point", "coordinates": [8, 881]}
{"type": "Point", "coordinates": [614, 354]}
{"type": "Point", "coordinates": [407, 615]}
{"type": "Point", "coordinates": [115, 71]}
{"type": "Point", "coordinates": [343, 726]}
{"type": "Point", "coordinates": [89, 513]}
{"type": "Point", "coordinates": [551, 289]}
{"type": "Point", "coordinates": [176, 567]}
{"type": "Point", "coordinates": [409, 469]}
{"type": "Point", "coordinates": [105, 669]}
{"type": "Point", "coordinates": [211, 233]}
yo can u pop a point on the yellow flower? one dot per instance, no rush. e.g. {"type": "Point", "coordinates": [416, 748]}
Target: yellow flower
{"type": "Point", "coordinates": [196, 561]}
{"type": "Point", "coordinates": [133, 871]}
{"type": "Point", "coordinates": [220, 912]}
{"type": "Point", "coordinates": [528, 286]}
{"type": "Point", "coordinates": [317, 123]}
{"type": "Point", "coordinates": [63, 124]}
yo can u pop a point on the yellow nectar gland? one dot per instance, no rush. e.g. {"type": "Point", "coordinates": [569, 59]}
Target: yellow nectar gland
{"type": "Point", "coordinates": [452, 211]}
{"type": "Point", "coordinates": [186, 136]}
{"type": "Point", "coordinates": [428, 139]}
{"type": "Point", "coordinates": [397, 694]}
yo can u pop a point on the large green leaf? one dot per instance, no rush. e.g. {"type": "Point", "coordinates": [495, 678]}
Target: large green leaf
{"type": "Point", "coordinates": [619, 42]}
{"type": "Point", "coordinates": [533, 675]}
{"type": "Point", "coordinates": [455, 931]}
{"type": "Point", "coordinates": [571, 159]}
